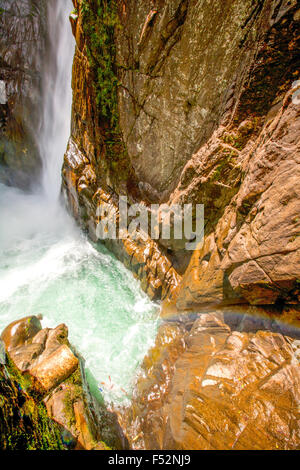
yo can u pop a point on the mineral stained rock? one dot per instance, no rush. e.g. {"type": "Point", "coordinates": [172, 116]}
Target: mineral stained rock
{"type": "Point", "coordinates": [221, 384]}
{"type": "Point", "coordinates": [203, 111]}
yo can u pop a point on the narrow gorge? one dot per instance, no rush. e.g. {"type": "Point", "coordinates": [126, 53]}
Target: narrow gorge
{"type": "Point", "coordinates": [136, 341]}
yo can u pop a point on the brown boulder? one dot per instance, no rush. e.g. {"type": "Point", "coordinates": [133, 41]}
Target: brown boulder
{"type": "Point", "coordinates": [20, 331]}
{"type": "Point", "coordinates": [33, 348]}
{"type": "Point", "coordinates": [228, 389]}
{"type": "Point", "coordinates": [55, 368]}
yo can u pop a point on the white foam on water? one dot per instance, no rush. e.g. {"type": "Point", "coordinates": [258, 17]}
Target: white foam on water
{"type": "Point", "coordinates": [48, 267]}
{"type": "Point", "coordinates": [57, 272]}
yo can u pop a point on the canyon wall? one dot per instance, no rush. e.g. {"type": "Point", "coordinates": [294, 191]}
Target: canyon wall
{"type": "Point", "coordinates": [22, 54]}
{"type": "Point", "coordinates": [192, 102]}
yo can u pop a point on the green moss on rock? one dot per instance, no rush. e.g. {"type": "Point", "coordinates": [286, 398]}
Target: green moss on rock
{"type": "Point", "coordinates": [24, 422]}
{"type": "Point", "coordinates": [100, 21]}
{"type": "Point", "coordinates": [100, 18]}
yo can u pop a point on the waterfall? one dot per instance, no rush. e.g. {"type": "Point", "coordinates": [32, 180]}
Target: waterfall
{"type": "Point", "coordinates": [48, 266]}
{"type": "Point", "coordinates": [57, 96]}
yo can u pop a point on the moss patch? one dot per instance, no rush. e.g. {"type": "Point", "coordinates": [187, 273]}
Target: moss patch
{"type": "Point", "coordinates": [100, 20]}
{"type": "Point", "coordinates": [24, 422]}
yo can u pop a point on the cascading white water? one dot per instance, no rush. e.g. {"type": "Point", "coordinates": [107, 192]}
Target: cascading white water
{"type": "Point", "coordinates": [47, 266]}
{"type": "Point", "coordinates": [57, 100]}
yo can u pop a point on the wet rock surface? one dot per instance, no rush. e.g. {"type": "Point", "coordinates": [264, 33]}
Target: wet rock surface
{"type": "Point", "coordinates": [222, 381]}
{"type": "Point", "coordinates": [24, 423]}
{"type": "Point", "coordinates": [206, 114]}
{"type": "Point", "coordinates": [139, 253]}
{"type": "Point", "coordinates": [54, 376]}
{"type": "Point", "coordinates": [253, 254]}
{"type": "Point", "coordinates": [176, 67]}
{"type": "Point", "coordinates": [202, 118]}
{"type": "Point", "coordinates": [22, 52]}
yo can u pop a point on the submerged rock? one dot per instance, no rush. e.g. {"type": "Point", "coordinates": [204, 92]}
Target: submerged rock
{"type": "Point", "coordinates": [215, 386]}
{"type": "Point", "coordinates": [54, 374]}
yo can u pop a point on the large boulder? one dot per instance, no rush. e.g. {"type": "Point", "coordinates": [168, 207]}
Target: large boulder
{"type": "Point", "coordinates": [20, 331]}
{"type": "Point", "coordinates": [24, 422]}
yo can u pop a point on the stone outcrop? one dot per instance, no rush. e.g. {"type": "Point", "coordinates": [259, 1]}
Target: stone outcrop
{"type": "Point", "coordinates": [218, 382]}
{"type": "Point", "coordinates": [140, 254]}
{"type": "Point", "coordinates": [166, 110]}
{"type": "Point", "coordinates": [22, 51]}
{"type": "Point", "coordinates": [54, 376]}
{"type": "Point", "coordinates": [24, 422]}
{"type": "Point", "coordinates": [253, 254]}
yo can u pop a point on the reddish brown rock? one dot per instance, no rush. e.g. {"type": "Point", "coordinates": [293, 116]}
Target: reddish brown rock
{"type": "Point", "coordinates": [226, 389]}
{"type": "Point", "coordinates": [69, 407]}
{"type": "Point", "coordinates": [56, 368]}
{"type": "Point", "coordinates": [139, 253]}
{"type": "Point", "coordinates": [233, 147]}
{"type": "Point", "coordinates": [255, 258]}
{"type": "Point", "coordinates": [153, 387]}
{"type": "Point", "coordinates": [30, 349]}
{"type": "Point", "coordinates": [20, 331]}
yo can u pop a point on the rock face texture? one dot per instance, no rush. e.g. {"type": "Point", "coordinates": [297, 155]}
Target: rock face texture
{"type": "Point", "coordinates": [224, 383]}
{"type": "Point", "coordinates": [197, 102]}
{"type": "Point", "coordinates": [189, 102]}
{"type": "Point", "coordinates": [22, 51]}
{"type": "Point", "coordinates": [53, 375]}
{"type": "Point", "coordinates": [140, 254]}
{"type": "Point", "coordinates": [176, 68]}
{"type": "Point", "coordinates": [253, 254]}
{"type": "Point", "coordinates": [24, 423]}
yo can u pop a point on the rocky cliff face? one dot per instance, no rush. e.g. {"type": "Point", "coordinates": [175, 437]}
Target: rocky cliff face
{"type": "Point", "coordinates": [196, 102]}
{"type": "Point", "coordinates": [185, 102]}
{"type": "Point", "coordinates": [178, 101]}
{"type": "Point", "coordinates": [22, 51]}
